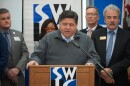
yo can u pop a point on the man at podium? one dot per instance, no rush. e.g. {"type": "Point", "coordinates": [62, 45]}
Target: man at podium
{"type": "Point", "coordinates": [56, 48]}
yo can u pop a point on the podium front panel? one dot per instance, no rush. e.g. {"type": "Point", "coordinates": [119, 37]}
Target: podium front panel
{"type": "Point", "coordinates": [40, 75]}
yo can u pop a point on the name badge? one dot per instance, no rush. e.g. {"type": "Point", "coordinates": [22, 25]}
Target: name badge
{"type": "Point", "coordinates": [16, 38]}
{"type": "Point", "coordinates": [103, 38]}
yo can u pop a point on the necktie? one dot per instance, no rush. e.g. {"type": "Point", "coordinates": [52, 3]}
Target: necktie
{"type": "Point", "coordinates": [68, 40]}
{"type": "Point", "coordinates": [89, 32]}
{"type": "Point", "coordinates": [7, 40]}
{"type": "Point", "coordinates": [109, 48]}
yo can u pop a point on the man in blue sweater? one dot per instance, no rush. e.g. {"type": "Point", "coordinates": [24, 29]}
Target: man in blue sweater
{"type": "Point", "coordinates": [56, 47]}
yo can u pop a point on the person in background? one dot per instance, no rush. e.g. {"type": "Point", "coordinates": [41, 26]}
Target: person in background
{"type": "Point", "coordinates": [48, 26]}
{"type": "Point", "coordinates": [92, 17]}
{"type": "Point", "coordinates": [18, 52]}
{"type": "Point", "coordinates": [125, 22]}
{"type": "Point", "coordinates": [113, 46]}
{"type": "Point", "coordinates": [3, 55]}
{"type": "Point", "coordinates": [56, 48]}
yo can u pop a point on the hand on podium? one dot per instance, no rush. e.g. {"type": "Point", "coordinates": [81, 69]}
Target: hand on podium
{"type": "Point", "coordinates": [89, 64]}
{"type": "Point", "coordinates": [31, 63]}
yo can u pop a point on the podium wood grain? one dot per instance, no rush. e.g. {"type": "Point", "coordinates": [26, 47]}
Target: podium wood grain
{"type": "Point", "coordinates": [40, 75]}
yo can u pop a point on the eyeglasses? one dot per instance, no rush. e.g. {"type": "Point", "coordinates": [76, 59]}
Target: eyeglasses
{"type": "Point", "coordinates": [91, 14]}
{"type": "Point", "coordinates": [49, 29]}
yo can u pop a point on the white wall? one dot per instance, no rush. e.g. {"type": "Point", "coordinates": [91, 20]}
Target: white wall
{"type": "Point", "coordinates": [15, 8]}
{"type": "Point", "coordinates": [85, 3]}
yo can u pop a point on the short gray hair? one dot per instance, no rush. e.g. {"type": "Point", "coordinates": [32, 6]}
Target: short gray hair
{"type": "Point", "coordinates": [94, 8]}
{"type": "Point", "coordinates": [111, 7]}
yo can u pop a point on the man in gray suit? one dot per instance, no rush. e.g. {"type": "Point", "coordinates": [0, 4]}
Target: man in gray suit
{"type": "Point", "coordinates": [18, 52]}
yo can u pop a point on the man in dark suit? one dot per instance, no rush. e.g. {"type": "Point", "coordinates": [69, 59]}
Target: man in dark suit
{"type": "Point", "coordinates": [115, 56]}
{"type": "Point", "coordinates": [92, 17]}
{"type": "Point", "coordinates": [3, 55]}
{"type": "Point", "coordinates": [18, 52]}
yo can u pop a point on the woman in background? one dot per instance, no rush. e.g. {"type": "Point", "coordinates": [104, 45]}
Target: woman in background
{"type": "Point", "coordinates": [48, 26]}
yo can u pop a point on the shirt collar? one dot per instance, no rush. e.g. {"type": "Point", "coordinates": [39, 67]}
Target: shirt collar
{"type": "Point", "coordinates": [71, 38]}
{"type": "Point", "coordinates": [92, 28]}
{"type": "Point", "coordinates": [59, 35]}
{"type": "Point", "coordinates": [115, 31]}
{"type": "Point", "coordinates": [4, 30]}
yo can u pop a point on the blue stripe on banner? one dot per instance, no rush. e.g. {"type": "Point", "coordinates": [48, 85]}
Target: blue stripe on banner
{"type": "Point", "coordinates": [26, 77]}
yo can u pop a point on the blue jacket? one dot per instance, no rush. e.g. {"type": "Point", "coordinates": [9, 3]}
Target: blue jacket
{"type": "Point", "coordinates": [3, 54]}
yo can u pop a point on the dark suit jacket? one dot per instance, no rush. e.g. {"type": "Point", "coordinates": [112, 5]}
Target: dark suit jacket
{"type": "Point", "coordinates": [3, 54]}
{"type": "Point", "coordinates": [120, 59]}
{"type": "Point", "coordinates": [17, 58]}
{"type": "Point", "coordinates": [85, 30]}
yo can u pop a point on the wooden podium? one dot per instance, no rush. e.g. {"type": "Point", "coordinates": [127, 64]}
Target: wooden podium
{"type": "Point", "coordinates": [40, 75]}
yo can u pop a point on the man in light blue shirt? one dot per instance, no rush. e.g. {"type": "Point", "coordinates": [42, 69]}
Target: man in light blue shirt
{"type": "Point", "coordinates": [114, 50]}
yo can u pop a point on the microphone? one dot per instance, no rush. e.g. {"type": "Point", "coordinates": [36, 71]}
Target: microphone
{"type": "Point", "coordinates": [78, 46]}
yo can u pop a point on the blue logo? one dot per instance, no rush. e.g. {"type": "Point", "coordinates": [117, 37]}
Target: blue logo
{"type": "Point", "coordinates": [52, 11]}
{"type": "Point", "coordinates": [63, 76]}
{"type": "Point", "coordinates": [48, 11]}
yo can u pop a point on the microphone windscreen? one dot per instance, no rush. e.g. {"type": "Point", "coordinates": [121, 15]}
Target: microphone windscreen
{"type": "Point", "coordinates": [75, 44]}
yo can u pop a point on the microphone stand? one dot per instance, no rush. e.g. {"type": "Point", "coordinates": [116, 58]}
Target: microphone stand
{"type": "Point", "coordinates": [78, 46]}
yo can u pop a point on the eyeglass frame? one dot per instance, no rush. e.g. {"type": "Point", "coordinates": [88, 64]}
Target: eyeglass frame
{"type": "Point", "coordinates": [50, 29]}
{"type": "Point", "coordinates": [91, 14]}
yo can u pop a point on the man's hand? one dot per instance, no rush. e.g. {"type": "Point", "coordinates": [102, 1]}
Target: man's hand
{"type": "Point", "coordinates": [12, 74]}
{"type": "Point", "coordinates": [106, 77]}
{"type": "Point", "coordinates": [31, 63]}
{"type": "Point", "coordinates": [89, 64]}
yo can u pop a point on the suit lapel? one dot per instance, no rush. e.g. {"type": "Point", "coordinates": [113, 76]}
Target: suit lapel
{"type": "Point", "coordinates": [98, 27]}
{"type": "Point", "coordinates": [103, 44]}
{"type": "Point", "coordinates": [86, 30]}
{"type": "Point", "coordinates": [117, 44]}
{"type": "Point", "coordinates": [12, 41]}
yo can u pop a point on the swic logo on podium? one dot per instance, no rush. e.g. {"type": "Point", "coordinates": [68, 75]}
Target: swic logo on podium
{"type": "Point", "coordinates": [63, 76]}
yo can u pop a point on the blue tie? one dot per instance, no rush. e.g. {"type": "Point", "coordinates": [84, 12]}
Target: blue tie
{"type": "Point", "coordinates": [7, 40]}
{"type": "Point", "coordinates": [67, 40]}
{"type": "Point", "coordinates": [109, 48]}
